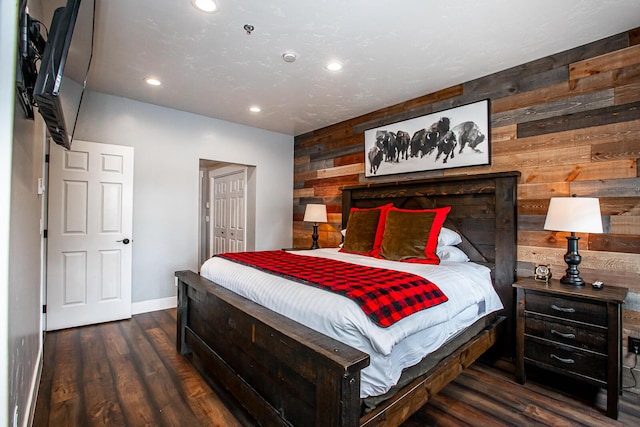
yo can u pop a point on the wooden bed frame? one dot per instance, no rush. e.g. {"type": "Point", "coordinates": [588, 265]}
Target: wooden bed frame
{"type": "Point", "coordinates": [284, 373]}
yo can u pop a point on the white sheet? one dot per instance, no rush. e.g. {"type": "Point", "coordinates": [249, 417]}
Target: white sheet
{"type": "Point", "coordinates": [467, 285]}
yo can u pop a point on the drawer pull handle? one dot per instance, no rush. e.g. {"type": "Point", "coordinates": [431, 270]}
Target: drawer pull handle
{"type": "Point", "coordinates": [570, 336]}
{"type": "Point", "coordinates": [563, 309]}
{"type": "Point", "coordinates": [567, 361]}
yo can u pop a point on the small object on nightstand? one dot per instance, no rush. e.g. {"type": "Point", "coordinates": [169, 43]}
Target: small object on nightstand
{"type": "Point", "coordinates": [598, 284]}
{"type": "Point", "coordinates": [542, 273]}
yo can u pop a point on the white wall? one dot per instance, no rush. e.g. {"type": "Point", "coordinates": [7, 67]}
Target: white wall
{"type": "Point", "coordinates": [21, 163]}
{"type": "Point", "coordinates": [168, 145]}
{"type": "Point", "coordinates": [25, 305]}
{"type": "Point", "coordinates": [8, 24]}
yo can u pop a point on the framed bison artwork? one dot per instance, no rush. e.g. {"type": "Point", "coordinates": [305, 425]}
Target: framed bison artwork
{"type": "Point", "coordinates": [452, 138]}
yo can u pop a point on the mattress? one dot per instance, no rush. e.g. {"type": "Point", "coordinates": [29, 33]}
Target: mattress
{"type": "Point", "coordinates": [403, 344]}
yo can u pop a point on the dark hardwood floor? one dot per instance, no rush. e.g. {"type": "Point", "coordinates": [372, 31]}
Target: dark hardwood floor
{"type": "Point", "coordinates": [128, 374]}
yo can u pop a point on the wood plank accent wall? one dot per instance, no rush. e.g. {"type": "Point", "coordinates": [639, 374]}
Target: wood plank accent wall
{"type": "Point", "coordinates": [570, 123]}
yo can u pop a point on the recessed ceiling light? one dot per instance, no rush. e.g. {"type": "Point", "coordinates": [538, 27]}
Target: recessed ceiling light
{"type": "Point", "coordinates": [208, 6]}
{"type": "Point", "coordinates": [255, 109]}
{"type": "Point", "coordinates": [153, 81]}
{"type": "Point", "coordinates": [334, 66]}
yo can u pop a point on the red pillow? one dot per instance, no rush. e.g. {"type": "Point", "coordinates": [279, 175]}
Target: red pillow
{"type": "Point", "coordinates": [412, 235]}
{"type": "Point", "coordinates": [364, 230]}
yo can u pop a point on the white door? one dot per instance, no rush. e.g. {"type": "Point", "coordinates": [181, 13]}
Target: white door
{"type": "Point", "coordinates": [229, 212]}
{"type": "Point", "coordinates": [236, 212]}
{"type": "Point", "coordinates": [220, 221]}
{"type": "Point", "coordinates": [89, 235]}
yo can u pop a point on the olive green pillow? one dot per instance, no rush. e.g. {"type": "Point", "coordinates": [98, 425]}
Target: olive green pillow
{"type": "Point", "coordinates": [363, 235]}
{"type": "Point", "coordinates": [412, 235]}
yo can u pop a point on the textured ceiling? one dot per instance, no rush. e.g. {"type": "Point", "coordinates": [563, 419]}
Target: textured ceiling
{"type": "Point", "coordinates": [392, 51]}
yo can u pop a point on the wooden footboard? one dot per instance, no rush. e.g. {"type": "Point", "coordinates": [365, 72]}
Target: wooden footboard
{"type": "Point", "coordinates": [284, 373]}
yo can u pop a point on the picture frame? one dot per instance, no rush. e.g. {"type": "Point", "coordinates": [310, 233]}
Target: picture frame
{"type": "Point", "coordinates": [452, 138]}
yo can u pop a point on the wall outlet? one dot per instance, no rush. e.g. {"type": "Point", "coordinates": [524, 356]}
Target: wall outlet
{"type": "Point", "coordinates": [634, 345]}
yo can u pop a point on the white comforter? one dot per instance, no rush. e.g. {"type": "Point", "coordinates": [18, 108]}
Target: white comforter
{"type": "Point", "coordinates": [467, 285]}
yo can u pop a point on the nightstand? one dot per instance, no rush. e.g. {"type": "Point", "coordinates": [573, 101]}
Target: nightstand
{"type": "Point", "coordinates": [573, 331]}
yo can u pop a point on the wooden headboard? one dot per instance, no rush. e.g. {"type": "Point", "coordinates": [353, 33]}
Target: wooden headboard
{"type": "Point", "coordinates": [483, 211]}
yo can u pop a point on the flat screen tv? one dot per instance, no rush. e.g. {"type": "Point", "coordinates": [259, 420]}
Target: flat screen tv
{"type": "Point", "coordinates": [64, 67]}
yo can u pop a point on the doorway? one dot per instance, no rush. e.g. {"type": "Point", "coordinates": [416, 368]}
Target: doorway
{"type": "Point", "coordinates": [227, 208]}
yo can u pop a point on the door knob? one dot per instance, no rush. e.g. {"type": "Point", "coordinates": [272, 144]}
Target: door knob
{"type": "Point", "coordinates": [125, 241]}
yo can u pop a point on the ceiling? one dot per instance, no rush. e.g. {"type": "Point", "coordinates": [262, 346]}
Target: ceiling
{"type": "Point", "coordinates": [391, 51]}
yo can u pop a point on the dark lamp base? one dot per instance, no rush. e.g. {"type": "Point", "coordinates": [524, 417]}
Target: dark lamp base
{"type": "Point", "coordinates": [570, 280]}
{"type": "Point", "coordinates": [573, 259]}
{"type": "Point", "coordinates": [315, 236]}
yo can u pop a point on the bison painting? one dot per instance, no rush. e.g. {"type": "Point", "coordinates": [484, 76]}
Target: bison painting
{"type": "Point", "coordinates": [455, 137]}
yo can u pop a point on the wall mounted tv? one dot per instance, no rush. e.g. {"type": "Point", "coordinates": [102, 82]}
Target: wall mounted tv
{"type": "Point", "coordinates": [64, 67]}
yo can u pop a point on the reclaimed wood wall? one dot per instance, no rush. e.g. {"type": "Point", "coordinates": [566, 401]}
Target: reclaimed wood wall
{"type": "Point", "coordinates": [570, 123]}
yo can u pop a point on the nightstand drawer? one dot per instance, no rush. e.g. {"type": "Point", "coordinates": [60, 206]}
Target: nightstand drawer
{"type": "Point", "coordinates": [579, 335]}
{"type": "Point", "coordinates": [567, 359]}
{"type": "Point", "coordinates": [567, 308]}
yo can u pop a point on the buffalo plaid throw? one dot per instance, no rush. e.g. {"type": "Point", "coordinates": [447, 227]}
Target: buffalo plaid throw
{"type": "Point", "coordinates": [386, 296]}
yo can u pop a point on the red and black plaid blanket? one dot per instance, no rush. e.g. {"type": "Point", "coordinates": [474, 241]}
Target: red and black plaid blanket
{"type": "Point", "coordinates": [386, 296]}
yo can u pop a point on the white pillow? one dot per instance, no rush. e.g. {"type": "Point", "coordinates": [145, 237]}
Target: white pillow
{"type": "Point", "coordinates": [451, 254]}
{"type": "Point", "coordinates": [448, 237]}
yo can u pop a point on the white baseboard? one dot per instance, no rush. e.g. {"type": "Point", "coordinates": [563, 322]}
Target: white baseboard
{"type": "Point", "coordinates": [154, 305]}
{"type": "Point", "coordinates": [35, 388]}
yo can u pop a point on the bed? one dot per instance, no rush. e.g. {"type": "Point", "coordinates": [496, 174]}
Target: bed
{"type": "Point", "coordinates": [285, 373]}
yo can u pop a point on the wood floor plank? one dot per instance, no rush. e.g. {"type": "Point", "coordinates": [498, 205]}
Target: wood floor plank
{"type": "Point", "coordinates": [64, 380]}
{"type": "Point", "coordinates": [543, 416]}
{"type": "Point", "coordinates": [465, 413]}
{"type": "Point", "coordinates": [192, 385]}
{"type": "Point", "coordinates": [66, 413]}
{"type": "Point", "coordinates": [138, 409]}
{"type": "Point", "coordinates": [434, 417]}
{"type": "Point", "coordinates": [100, 395]}
{"type": "Point", "coordinates": [530, 394]}
{"type": "Point", "coordinates": [148, 364]}
{"type": "Point", "coordinates": [94, 364]}
{"type": "Point", "coordinates": [165, 321]}
{"type": "Point", "coordinates": [129, 374]}
{"type": "Point", "coordinates": [102, 404]}
{"type": "Point", "coordinates": [480, 395]}
{"type": "Point", "coordinates": [189, 387]}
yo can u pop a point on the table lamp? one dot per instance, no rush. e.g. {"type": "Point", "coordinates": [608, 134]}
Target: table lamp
{"type": "Point", "coordinates": [576, 215]}
{"type": "Point", "coordinates": [315, 213]}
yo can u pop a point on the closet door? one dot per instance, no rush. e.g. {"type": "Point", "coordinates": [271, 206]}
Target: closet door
{"type": "Point", "coordinates": [236, 212]}
{"type": "Point", "coordinates": [229, 212]}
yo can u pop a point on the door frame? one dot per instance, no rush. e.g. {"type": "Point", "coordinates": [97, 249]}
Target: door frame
{"type": "Point", "coordinates": [206, 202]}
{"type": "Point", "coordinates": [44, 225]}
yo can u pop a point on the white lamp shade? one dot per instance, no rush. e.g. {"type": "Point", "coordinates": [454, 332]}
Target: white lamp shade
{"type": "Point", "coordinates": [575, 214]}
{"type": "Point", "coordinates": [315, 213]}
